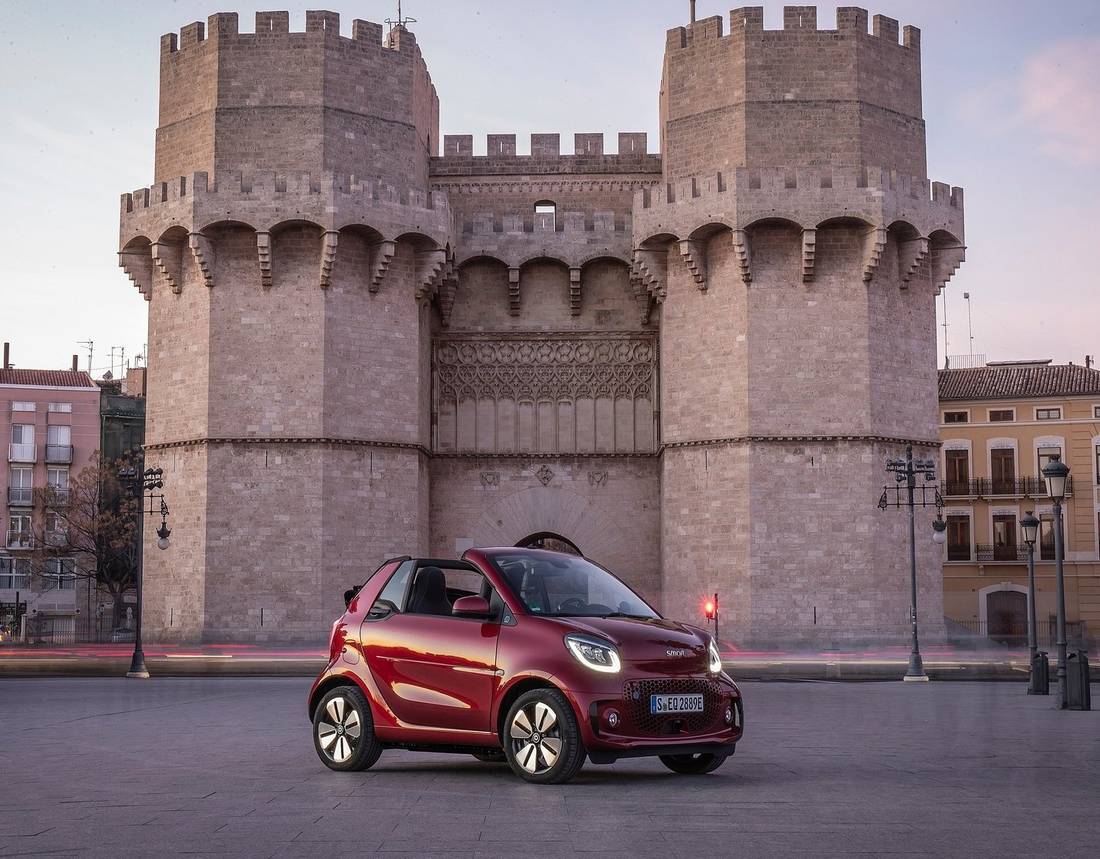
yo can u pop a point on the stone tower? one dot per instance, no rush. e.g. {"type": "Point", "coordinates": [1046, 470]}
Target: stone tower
{"type": "Point", "coordinates": [691, 366]}
{"type": "Point", "coordinates": [285, 250]}
{"type": "Point", "coordinates": [795, 248]}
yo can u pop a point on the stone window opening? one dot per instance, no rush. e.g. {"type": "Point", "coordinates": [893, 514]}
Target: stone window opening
{"type": "Point", "coordinates": [546, 215]}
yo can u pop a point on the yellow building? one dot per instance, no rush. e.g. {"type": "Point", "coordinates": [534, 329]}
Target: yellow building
{"type": "Point", "coordinates": [1000, 424]}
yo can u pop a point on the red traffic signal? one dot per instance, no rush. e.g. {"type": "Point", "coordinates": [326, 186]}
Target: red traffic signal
{"type": "Point", "coordinates": [709, 608]}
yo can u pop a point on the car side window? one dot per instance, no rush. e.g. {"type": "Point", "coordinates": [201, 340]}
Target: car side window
{"type": "Point", "coordinates": [392, 597]}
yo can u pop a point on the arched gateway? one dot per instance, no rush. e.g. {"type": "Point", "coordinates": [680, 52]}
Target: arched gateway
{"type": "Point", "coordinates": [693, 364]}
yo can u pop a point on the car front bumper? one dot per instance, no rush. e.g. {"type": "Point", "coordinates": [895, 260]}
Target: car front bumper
{"type": "Point", "coordinates": [614, 723]}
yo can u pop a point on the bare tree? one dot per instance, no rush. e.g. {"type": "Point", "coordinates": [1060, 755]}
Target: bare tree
{"type": "Point", "coordinates": [91, 528]}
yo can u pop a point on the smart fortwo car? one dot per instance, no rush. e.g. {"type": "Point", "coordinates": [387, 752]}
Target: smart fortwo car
{"type": "Point", "coordinates": [537, 658]}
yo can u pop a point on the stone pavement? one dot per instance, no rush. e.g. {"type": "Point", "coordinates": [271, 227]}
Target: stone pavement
{"type": "Point", "coordinates": [225, 766]}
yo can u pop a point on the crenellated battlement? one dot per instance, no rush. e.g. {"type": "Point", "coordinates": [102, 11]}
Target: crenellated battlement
{"type": "Point", "coordinates": [274, 25]}
{"type": "Point", "coordinates": [589, 155]}
{"type": "Point", "coordinates": [310, 100]}
{"type": "Point", "coordinates": [799, 182]}
{"type": "Point", "coordinates": [797, 22]}
{"type": "Point", "coordinates": [268, 184]}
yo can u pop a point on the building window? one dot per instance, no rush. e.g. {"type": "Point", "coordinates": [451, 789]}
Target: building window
{"type": "Point", "coordinates": [1001, 415]}
{"type": "Point", "coordinates": [21, 486]}
{"type": "Point", "coordinates": [1046, 454]}
{"type": "Point", "coordinates": [1002, 461]}
{"type": "Point", "coordinates": [958, 538]}
{"type": "Point", "coordinates": [1052, 414]}
{"type": "Point", "coordinates": [956, 417]}
{"type": "Point", "coordinates": [18, 406]}
{"type": "Point", "coordinates": [958, 472]}
{"type": "Point", "coordinates": [1004, 538]}
{"type": "Point", "coordinates": [56, 531]}
{"type": "Point", "coordinates": [1046, 536]}
{"type": "Point", "coordinates": [61, 407]}
{"type": "Point", "coordinates": [22, 443]}
{"type": "Point", "coordinates": [1096, 412]}
{"type": "Point", "coordinates": [19, 531]}
{"type": "Point", "coordinates": [58, 575]}
{"type": "Point", "coordinates": [546, 212]}
{"type": "Point", "coordinates": [15, 573]}
{"type": "Point", "coordinates": [1098, 465]}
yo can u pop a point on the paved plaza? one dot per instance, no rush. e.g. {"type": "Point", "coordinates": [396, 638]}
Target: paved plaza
{"type": "Point", "coordinates": [224, 766]}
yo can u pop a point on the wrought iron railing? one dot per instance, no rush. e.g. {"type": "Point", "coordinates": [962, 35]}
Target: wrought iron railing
{"type": "Point", "coordinates": [22, 496]}
{"type": "Point", "coordinates": [20, 540]}
{"type": "Point", "coordinates": [1006, 553]}
{"type": "Point", "coordinates": [22, 453]}
{"type": "Point", "coordinates": [959, 488]}
{"type": "Point", "coordinates": [59, 453]}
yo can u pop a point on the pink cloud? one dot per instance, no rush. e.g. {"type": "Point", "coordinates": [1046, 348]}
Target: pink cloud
{"type": "Point", "coordinates": [1059, 92]}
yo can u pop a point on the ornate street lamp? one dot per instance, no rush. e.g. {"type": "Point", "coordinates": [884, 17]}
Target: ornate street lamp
{"type": "Point", "coordinates": [905, 473]}
{"type": "Point", "coordinates": [144, 486]}
{"type": "Point", "coordinates": [1037, 677]}
{"type": "Point", "coordinates": [1056, 474]}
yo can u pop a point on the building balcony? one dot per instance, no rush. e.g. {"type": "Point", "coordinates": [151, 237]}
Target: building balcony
{"type": "Point", "coordinates": [56, 496]}
{"type": "Point", "coordinates": [20, 496]}
{"type": "Point", "coordinates": [20, 540]}
{"type": "Point", "coordinates": [22, 453]}
{"type": "Point", "coordinates": [1011, 554]}
{"type": "Point", "coordinates": [959, 489]}
{"type": "Point", "coordinates": [59, 454]}
{"type": "Point", "coordinates": [959, 554]}
{"type": "Point", "coordinates": [1001, 487]}
{"type": "Point", "coordinates": [57, 538]}
{"type": "Point", "coordinates": [1037, 487]}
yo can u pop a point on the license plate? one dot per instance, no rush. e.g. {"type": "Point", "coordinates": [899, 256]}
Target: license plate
{"type": "Point", "coordinates": [675, 703]}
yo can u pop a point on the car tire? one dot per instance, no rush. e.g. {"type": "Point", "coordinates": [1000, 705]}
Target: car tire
{"type": "Point", "coordinates": [343, 731]}
{"type": "Point", "coordinates": [542, 740]}
{"type": "Point", "coordinates": [693, 764]}
{"type": "Point", "coordinates": [495, 756]}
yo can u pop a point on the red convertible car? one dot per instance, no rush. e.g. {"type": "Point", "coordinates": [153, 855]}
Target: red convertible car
{"type": "Point", "coordinates": [538, 658]}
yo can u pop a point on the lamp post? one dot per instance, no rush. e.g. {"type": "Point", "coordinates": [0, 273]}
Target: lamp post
{"type": "Point", "coordinates": [905, 472]}
{"type": "Point", "coordinates": [1030, 526]}
{"type": "Point", "coordinates": [1056, 473]}
{"type": "Point", "coordinates": [143, 485]}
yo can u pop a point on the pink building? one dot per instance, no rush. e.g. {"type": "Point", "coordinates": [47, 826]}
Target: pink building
{"type": "Point", "coordinates": [49, 420]}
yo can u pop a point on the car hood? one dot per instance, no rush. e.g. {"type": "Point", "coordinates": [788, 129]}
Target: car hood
{"type": "Point", "coordinates": [651, 644]}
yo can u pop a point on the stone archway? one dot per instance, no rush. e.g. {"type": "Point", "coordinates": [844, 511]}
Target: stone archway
{"type": "Point", "coordinates": [550, 541]}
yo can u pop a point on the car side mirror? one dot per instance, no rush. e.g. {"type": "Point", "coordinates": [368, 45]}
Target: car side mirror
{"type": "Point", "coordinates": [350, 594]}
{"type": "Point", "coordinates": [472, 606]}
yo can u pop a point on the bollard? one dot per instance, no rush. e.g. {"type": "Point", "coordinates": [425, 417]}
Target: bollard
{"type": "Point", "coordinates": [1078, 694]}
{"type": "Point", "coordinates": [1040, 675]}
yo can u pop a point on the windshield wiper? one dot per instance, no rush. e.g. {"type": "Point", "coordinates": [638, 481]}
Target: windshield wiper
{"type": "Point", "coordinates": [624, 614]}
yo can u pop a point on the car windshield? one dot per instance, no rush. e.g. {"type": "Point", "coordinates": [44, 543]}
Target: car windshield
{"type": "Point", "coordinates": [568, 586]}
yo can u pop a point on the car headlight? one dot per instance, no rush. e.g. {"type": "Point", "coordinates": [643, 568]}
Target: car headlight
{"type": "Point", "coordinates": [594, 653]}
{"type": "Point", "coordinates": [714, 658]}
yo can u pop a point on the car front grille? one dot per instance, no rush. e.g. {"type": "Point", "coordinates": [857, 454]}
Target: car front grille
{"type": "Point", "coordinates": [636, 704]}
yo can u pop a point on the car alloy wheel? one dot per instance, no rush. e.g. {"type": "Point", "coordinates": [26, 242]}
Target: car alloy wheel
{"type": "Point", "coordinates": [343, 732]}
{"type": "Point", "coordinates": [542, 739]}
{"type": "Point", "coordinates": [536, 738]}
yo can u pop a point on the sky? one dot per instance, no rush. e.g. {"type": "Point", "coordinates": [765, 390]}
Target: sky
{"type": "Point", "coordinates": [1011, 103]}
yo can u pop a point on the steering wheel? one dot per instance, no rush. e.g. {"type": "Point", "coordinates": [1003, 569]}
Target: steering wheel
{"type": "Point", "coordinates": [572, 604]}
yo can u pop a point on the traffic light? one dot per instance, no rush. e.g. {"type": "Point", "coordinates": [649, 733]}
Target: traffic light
{"type": "Point", "coordinates": [710, 608]}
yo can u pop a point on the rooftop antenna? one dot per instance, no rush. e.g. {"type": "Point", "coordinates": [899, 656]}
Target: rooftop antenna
{"type": "Point", "coordinates": [969, 323]}
{"type": "Point", "coordinates": [401, 19]}
{"type": "Point", "coordinates": [89, 344]}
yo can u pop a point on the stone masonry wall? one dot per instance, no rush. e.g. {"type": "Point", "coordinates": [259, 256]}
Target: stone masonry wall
{"type": "Point", "coordinates": [608, 507]}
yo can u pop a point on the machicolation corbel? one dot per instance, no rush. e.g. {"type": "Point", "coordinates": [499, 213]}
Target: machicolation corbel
{"type": "Point", "coordinates": [263, 254]}
{"type": "Point", "coordinates": [809, 248]}
{"type": "Point", "coordinates": [694, 254]}
{"type": "Point", "coordinates": [329, 241]}
{"type": "Point", "coordinates": [203, 251]}
{"type": "Point", "coordinates": [874, 242]}
{"type": "Point", "coordinates": [381, 254]}
{"type": "Point", "coordinates": [168, 259]}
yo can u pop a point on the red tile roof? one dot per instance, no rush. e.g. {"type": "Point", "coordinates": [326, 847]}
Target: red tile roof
{"type": "Point", "coordinates": [1019, 382]}
{"type": "Point", "coordinates": [47, 378]}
